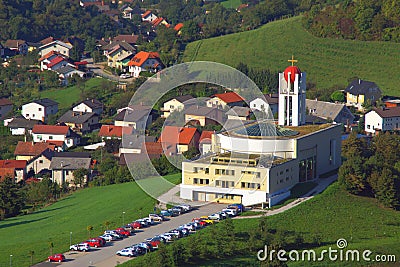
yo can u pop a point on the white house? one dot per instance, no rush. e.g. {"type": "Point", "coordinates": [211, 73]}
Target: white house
{"type": "Point", "coordinates": [271, 102]}
{"type": "Point", "coordinates": [39, 109]}
{"type": "Point", "coordinates": [68, 71]}
{"type": "Point", "coordinates": [48, 133]}
{"type": "Point", "coordinates": [176, 104]}
{"type": "Point", "coordinates": [148, 16]}
{"type": "Point", "coordinates": [20, 125]}
{"type": "Point", "coordinates": [137, 119]}
{"type": "Point", "coordinates": [382, 119]}
{"type": "Point", "coordinates": [89, 105]}
{"type": "Point", "coordinates": [57, 46]}
{"type": "Point", "coordinates": [227, 99]}
{"type": "Point", "coordinates": [64, 164]}
{"type": "Point", "coordinates": [145, 61]}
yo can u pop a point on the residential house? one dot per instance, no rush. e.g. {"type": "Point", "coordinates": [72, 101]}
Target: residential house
{"type": "Point", "coordinates": [14, 169]}
{"type": "Point", "coordinates": [271, 101]}
{"type": "Point", "coordinates": [80, 122]}
{"type": "Point", "coordinates": [67, 72]}
{"type": "Point", "coordinates": [145, 61]}
{"type": "Point", "coordinates": [29, 150]}
{"type": "Point", "coordinates": [47, 40]}
{"type": "Point", "coordinates": [335, 112]}
{"type": "Point", "coordinates": [40, 163]}
{"type": "Point", "coordinates": [18, 46]}
{"type": "Point", "coordinates": [39, 109]}
{"type": "Point", "coordinates": [360, 92]}
{"type": "Point", "coordinates": [53, 133]}
{"type": "Point", "coordinates": [137, 119]}
{"type": "Point", "coordinates": [391, 103]}
{"type": "Point", "coordinates": [114, 132]}
{"type": "Point", "coordinates": [149, 150]}
{"type": "Point", "coordinates": [57, 46]}
{"type": "Point", "coordinates": [148, 16]}
{"type": "Point", "coordinates": [203, 116]}
{"type": "Point", "coordinates": [239, 113]}
{"type": "Point", "coordinates": [178, 28]}
{"type": "Point", "coordinates": [133, 144]}
{"type": "Point", "coordinates": [64, 164]}
{"type": "Point", "coordinates": [183, 138]}
{"type": "Point", "coordinates": [382, 119]}
{"type": "Point", "coordinates": [57, 63]}
{"type": "Point", "coordinates": [205, 142]}
{"type": "Point", "coordinates": [160, 21]}
{"type": "Point", "coordinates": [127, 38]}
{"type": "Point", "coordinates": [227, 99]}
{"type": "Point", "coordinates": [90, 105]}
{"type": "Point", "coordinates": [177, 104]}
{"type": "Point", "coordinates": [47, 58]}
{"type": "Point", "coordinates": [118, 54]}
{"type": "Point", "coordinates": [21, 126]}
{"type": "Point", "coordinates": [86, 3]}
{"type": "Point", "coordinates": [6, 107]}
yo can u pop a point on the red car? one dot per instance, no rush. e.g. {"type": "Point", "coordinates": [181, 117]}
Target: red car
{"type": "Point", "coordinates": [122, 231]}
{"type": "Point", "coordinates": [94, 242]}
{"type": "Point", "coordinates": [102, 240]}
{"type": "Point", "coordinates": [56, 257]}
{"type": "Point", "coordinates": [155, 243]}
{"type": "Point", "coordinates": [136, 225]}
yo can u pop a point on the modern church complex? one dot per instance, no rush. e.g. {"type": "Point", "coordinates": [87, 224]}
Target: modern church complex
{"type": "Point", "coordinates": [260, 162]}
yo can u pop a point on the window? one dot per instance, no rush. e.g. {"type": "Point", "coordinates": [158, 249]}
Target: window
{"type": "Point", "coordinates": [232, 184]}
{"type": "Point", "coordinates": [217, 183]}
{"type": "Point", "coordinates": [40, 161]}
{"type": "Point", "coordinates": [40, 109]}
{"type": "Point", "coordinates": [207, 171]}
{"type": "Point", "coordinates": [51, 137]}
{"type": "Point", "coordinates": [195, 180]}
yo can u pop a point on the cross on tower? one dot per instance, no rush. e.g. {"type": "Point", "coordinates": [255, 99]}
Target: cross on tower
{"type": "Point", "coordinates": [292, 60]}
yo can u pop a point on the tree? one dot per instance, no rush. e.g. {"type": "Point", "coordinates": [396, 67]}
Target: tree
{"type": "Point", "coordinates": [79, 176]}
{"type": "Point", "coordinates": [352, 175]}
{"type": "Point", "coordinates": [89, 228]}
{"type": "Point", "coordinates": [338, 96]}
{"type": "Point", "coordinates": [51, 246]}
{"type": "Point", "coordinates": [11, 198]}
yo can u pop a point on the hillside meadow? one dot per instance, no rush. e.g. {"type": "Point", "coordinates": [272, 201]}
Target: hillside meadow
{"type": "Point", "coordinates": [327, 62]}
{"type": "Point", "coordinates": [90, 206]}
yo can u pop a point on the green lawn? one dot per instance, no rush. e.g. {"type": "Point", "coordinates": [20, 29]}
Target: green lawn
{"type": "Point", "coordinates": [91, 206]}
{"type": "Point", "coordinates": [68, 96]}
{"type": "Point", "coordinates": [231, 3]}
{"type": "Point", "coordinates": [327, 62]}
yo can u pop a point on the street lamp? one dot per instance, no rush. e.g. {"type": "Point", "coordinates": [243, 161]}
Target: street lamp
{"type": "Point", "coordinates": [123, 218]}
{"type": "Point", "coordinates": [70, 239]}
{"type": "Point", "coordinates": [10, 260]}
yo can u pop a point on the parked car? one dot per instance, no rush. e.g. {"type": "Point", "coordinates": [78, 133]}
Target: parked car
{"type": "Point", "coordinates": [230, 212]}
{"type": "Point", "coordinates": [102, 240]}
{"type": "Point", "coordinates": [166, 213]}
{"type": "Point", "coordinates": [125, 76]}
{"type": "Point", "coordinates": [149, 221]}
{"type": "Point", "coordinates": [56, 257]}
{"type": "Point", "coordinates": [156, 217]}
{"type": "Point", "coordinates": [178, 209]}
{"type": "Point", "coordinates": [215, 217]}
{"type": "Point", "coordinates": [144, 223]}
{"type": "Point", "coordinates": [80, 247]}
{"type": "Point", "coordinates": [94, 243]}
{"type": "Point", "coordinates": [175, 212]}
{"type": "Point", "coordinates": [186, 207]}
{"type": "Point", "coordinates": [223, 214]}
{"type": "Point", "coordinates": [109, 237]}
{"type": "Point", "coordinates": [136, 225]}
{"type": "Point", "coordinates": [127, 252]}
{"type": "Point", "coordinates": [239, 206]}
{"type": "Point", "coordinates": [123, 232]}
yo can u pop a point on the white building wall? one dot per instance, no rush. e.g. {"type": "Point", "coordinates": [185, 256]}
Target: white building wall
{"type": "Point", "coordinates": [44, 137]}
{"type": "Point", "coordinates": [82, 108]}
{"type": "Point", "coordinates": [33, 111]}
{"type": "Point", "coordinates": [373, 121]}
{"type": "Point", "coordinates": [261, 105]}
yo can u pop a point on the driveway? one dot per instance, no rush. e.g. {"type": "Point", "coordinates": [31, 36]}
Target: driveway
{"type": "Point", "coordinates": [105, 257]}
{"type": "Point", "coordinates": [98, 69]}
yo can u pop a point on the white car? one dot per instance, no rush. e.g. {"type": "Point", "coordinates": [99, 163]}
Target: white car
{"type": "Point", "coordinates": [215, 216]}
{"type": "Point", "coordinates": [149, 221]}
{"type": "Point", "coordinates": [156, 217]}
{"type": "Point", "coordinates": [125, 76]}
{"type": "Point", "coordinates": [128, 252]}
{"type": "Point", "coordinates": [186, 207]}
{"type": "Point", "coordinates": [109, 237]}
{"type": "Point", "coordinates": [80, 247]}
{"type": "Point", "coordinates": [230, 212]}
{"type": "Point", "coordinates": [168, 237]}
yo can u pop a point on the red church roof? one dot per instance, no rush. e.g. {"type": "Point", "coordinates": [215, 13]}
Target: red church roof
{"type": "Point", "coordinates": [293, 70]}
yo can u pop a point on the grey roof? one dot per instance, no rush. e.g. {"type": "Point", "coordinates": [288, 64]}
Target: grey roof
{"type": "Point", "coordinates": [45, 102]}
{"type": "Point", "coordinates": [92, 103]}
{"type": "Point", "coordinates": [66, 69]}
{"type": "Point", "coordinates": [200, 110]}
{"type": "Point", "coordinates": [238, 111]}
{"type": "Point", "coordinates": [124, 45]}
{"type": "Point", "coordinates": [132, 115]}
{"type": "Point", "coordinates": [360, 87]}
{"type": "Point", "coordinates": [21, 122]}
{"type": "Point", "coordinates": [76, 117]}
{"type": "Point", "coordinates": [72, 155]}
{"type": "Point", "coordinates": [182, 98]}
{"type": "Point", "coordinates": [324, 109]}
{"type": "Point", "coordinates": [65, 163]}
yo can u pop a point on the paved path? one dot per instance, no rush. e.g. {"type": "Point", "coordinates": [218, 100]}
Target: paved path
{"type": "Point", "coordinates": [322, 185]}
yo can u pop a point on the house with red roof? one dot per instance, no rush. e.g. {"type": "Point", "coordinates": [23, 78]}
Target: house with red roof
{"type": "Point", "coordinates": [205, 142]}
{"type": "Point", "coordinates": [5, 107]}
{"type": "Point", "coordinates": [30, 150]}
{"type": "Point", "coordinates": [160, 21]}
{"type": "Point", "coordinates": [229, 99]}
{"type": "Point", "coordinates": [114, 132]}
{"type": "Point", "coordinates": [44, 133]}
{"type": "Point", "coordinates": [57, 46]}
{"type": "Point", "coordinates": [148, 16]}
{"type": "Point", "coordinates": [183, 138]}
{"type": "Point", "coordinates": [145, 61]}
{"type": "Point", "coordinates": [15, 169]}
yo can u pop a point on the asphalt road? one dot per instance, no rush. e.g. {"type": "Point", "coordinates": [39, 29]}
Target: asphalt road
{"type": "Point", "coordinates": [105, 257]}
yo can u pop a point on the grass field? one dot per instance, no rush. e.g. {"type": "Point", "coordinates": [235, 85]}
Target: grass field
{"type": "Point", "coordinates": [327, 62]}
{"type": "Point", "coordinates": [91, 206]}
{"type": "Point", "coordinates": [231, 3]}
{"type": "Point", "coordinates": [68, 96]}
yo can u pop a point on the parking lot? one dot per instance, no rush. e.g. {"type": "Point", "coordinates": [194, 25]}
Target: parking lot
{"type": "Point", "coordinates": [105, 256]}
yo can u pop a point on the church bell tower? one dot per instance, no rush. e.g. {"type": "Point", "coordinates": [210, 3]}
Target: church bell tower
{"type": "Point", "coordinates": [292, 96]}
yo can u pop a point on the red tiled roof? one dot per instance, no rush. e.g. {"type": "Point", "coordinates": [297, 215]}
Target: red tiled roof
{"type": "Point", "coordinates": [54, 143]}
{"type": "Point", "coordinates": [178, 27]}
{"type": "Point", "coordinates": [131, 39]}
{"type": "Point", "coordinates": [157, 21]}
{"type": "Point", "coordinates": [31, 149]}
{"type": "Point", "coordinates": [177, 135]}
{"type": "Point", "coordinates": [50, 129]}
{"type": "Point", "coordinates": [47, 40]}
{"type": "Point", "coordinates": [141, 57]}
{"type": "Point", "coordinates": [229, 97]}
{"type": "Point", "coordinates": [12, 163]}
{"type": "Point", "coordinates": [5, 102]}
{"type": "Point", "coordinates": [153, 148]}
{"type": "Point", "coordinates": [206, 136]}
{"type": "Point", "coordinates": [145, 14]}
{"type": "Point", "coordinates": [13, 43]}
{"type": "Point", "coordinates": [114, 131]}
{"type": "Point", "coordinates": [55, 61]}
